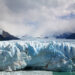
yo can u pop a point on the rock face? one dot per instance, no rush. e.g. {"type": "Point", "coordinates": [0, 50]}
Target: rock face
{"type": "Point", "coordinates": [42, 55]}
{"type": "Point", "coordinates": [66, 36]}
{"type": "Point", "coordinates": [6, 36]}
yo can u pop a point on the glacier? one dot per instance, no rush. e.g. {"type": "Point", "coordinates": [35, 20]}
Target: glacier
{"type": "Point", "coordinates": [53, 55]}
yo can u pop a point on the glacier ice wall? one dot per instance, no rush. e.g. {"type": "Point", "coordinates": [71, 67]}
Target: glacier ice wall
{"type": "Point", "coordinates": [51, 55]}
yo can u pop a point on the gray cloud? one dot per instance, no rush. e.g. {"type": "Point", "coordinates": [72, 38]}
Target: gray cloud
{"type": "Point", "coordinates": [37, 17]}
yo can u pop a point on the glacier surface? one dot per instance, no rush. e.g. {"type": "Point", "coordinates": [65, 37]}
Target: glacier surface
{"type": "Point", "coordinates": [44, 55]}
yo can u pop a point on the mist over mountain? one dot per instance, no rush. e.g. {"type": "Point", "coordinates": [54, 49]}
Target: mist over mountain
{"type": "Point", "coordinates": [37, 17]}
{"type": "Point", "coordinates": [49, 36]}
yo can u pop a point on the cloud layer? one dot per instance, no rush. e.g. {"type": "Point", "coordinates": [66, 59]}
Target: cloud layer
{"type": "Point", "coordinates": [37, 17]}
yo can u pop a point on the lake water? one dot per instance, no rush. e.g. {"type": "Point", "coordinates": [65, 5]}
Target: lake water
{"type": "Point", "coordinates": [36, 73]}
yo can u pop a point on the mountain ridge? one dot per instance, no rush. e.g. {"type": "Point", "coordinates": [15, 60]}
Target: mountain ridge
{"type": "Point", "coordinates": [6, 36]}
{"type": "Point", "coordinates": [66, 36]}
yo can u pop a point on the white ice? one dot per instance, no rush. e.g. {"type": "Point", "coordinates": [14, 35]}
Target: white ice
{"type": "Point", "coordinates": [46, 55]}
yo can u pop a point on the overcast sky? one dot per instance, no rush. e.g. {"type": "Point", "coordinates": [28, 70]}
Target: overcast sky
{"type": "Point", "coordinates": [37, 17]}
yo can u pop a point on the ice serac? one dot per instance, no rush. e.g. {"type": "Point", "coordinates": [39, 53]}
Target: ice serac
{"type": "Point", "coordinates": [50, 55]}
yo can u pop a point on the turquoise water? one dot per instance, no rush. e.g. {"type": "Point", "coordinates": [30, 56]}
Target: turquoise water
{"type": "Point", "coordinates": [36, 73]}
{"type": "Point", "coordinates": [63, 73]}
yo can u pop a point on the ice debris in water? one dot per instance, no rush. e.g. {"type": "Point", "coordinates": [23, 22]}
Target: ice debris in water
{"type": "Point", "coordinates": [51, 55]}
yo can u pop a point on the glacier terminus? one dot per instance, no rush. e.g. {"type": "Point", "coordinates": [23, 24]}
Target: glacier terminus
{"type": "Point", "coordinates": [53, 55]}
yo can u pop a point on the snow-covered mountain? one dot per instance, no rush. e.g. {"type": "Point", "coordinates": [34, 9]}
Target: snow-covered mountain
{"type": "Point", "coordinates": [25, 37]}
